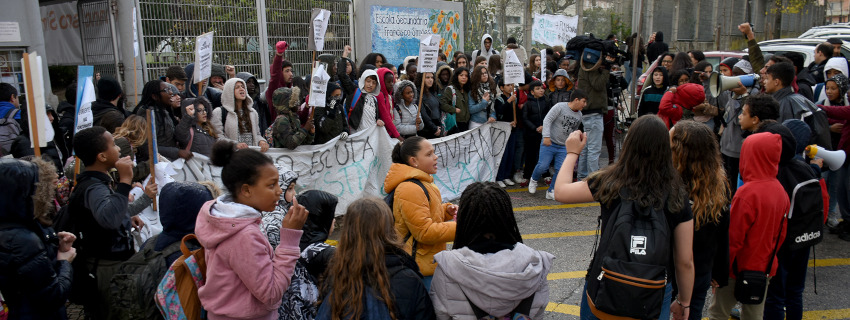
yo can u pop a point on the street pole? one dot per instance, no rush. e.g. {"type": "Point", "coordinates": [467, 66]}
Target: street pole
{"type": "Point", "coordinates": [636, 43]}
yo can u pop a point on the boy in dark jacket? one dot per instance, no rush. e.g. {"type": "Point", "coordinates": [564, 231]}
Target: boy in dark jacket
{"type": "Point", "coordinates": [329, 120]}
{"type": "Point", "coordinates": [100, 213]}
{"type": "Point", "coordinates": [533, 113]}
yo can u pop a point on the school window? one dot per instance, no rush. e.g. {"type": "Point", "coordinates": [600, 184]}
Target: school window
{"type": "Point", "coordinates": [11, 70]}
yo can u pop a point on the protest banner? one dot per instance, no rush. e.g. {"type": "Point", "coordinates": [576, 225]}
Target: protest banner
{"type": "Point", "coordinates": [356, 167]}
{"type": "Point", "coordinates": [85, 97]}
{"type": "Point", "coordinates": [40, 130]}
{"type": "Point", "coordinates": [514, 72]}
{"type": "Point", "coordinates": [203, 58]}
{"type": "Point", "coordinates": [62, 40]}
{"type": "Point", "coordinates": [319, 86]}
{"type": "Point", "coordinates": [553, 30]}
{"type": "Point", "coordinates": [318, 27]}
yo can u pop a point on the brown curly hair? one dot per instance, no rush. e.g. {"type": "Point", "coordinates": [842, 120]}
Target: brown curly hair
{"type": "Point", "coordinates": [697, 158]}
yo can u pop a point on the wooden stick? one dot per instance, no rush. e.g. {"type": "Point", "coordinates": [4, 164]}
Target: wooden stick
{"type": "Point", "coordinates": [135, 82]}
{"type": "Point", "coordinates": [419, 106]}
{"type": "Point", "coordinates": [76, 168]}
{"type": "Point", "coordinates": [310, 88]}
{"type": "Point", "coordinates": [514, 108]}
{"type": "Point", "coordinates": [151, 161]}
{"type": "Point", "coordinates": [31, 105]}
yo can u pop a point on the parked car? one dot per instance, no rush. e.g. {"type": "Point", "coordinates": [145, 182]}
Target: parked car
{"type": "Point", "coordinates": [715, 57]}
{"type": "Point", "coordinates": [836, 27]}
{"type": "Point", "coordinates": [804, 46]}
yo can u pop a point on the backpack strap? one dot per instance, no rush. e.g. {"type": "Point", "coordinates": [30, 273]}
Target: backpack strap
{"type": "Point", "coordinates": [454, 96]}
{"type": "Point", "coordinates": [223, 118]}
{"type": "Point", "coordinates": [409, 235]}
{"type": "Point", "coordinates": [10, 116]}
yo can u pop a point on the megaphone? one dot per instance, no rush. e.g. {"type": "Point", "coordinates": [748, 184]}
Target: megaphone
{"type": "Point", "coordinates": [719, 83]}
{"type": "Point", "coordinates": [833, 159]}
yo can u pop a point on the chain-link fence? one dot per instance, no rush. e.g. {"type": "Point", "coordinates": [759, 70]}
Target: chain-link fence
{"type": "Point", "coordinates": [97, 36]}
{"type": "Point", "coordinates": [169, 29]}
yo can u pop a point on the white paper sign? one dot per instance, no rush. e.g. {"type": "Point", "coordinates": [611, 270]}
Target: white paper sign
{"type": "Point", "coordinates": [203, 57]}
{"type": "Point", "coordinates": [135, 35]}
{"type": "Point", "coordinates": [543, 67]}
{"type": "Point", "coordinates": [319, 86]}
{"type": "Point", "coordinates": [10, 31]}
{"type": "Point", "coordinates": [514, 73]}
{"type": "Point", "coordinates": [429, 47]}
{"type": "Point", "coordinates": [85, 96]}
{"type": "Point", "coordinates": [34, 89]}
{"type": "Point", "coordinates": [318, 27]}
{"type": "Point", "coordinates": [357, 167]}
{"type": "Point", "coordinates": [553, 30]}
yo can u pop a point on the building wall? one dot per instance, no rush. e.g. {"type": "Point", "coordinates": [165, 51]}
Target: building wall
{"type": "Point", "coordinates": [28, 16]}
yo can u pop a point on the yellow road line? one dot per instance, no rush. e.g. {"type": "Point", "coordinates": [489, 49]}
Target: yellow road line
{"type": "Point", "coordinates": [560, 206]}
{"type": "Point", "coordinates": [830, 262]}
{"type": "Point", "coordinates": [563, 308]}
{"type": "Point", "coordinates": [807, 315]}
{"type": "Point", "coordinates": [566, 275]}
{"type": "Point", "coordinates": [525, 189]}
{"type": "Point", "coordinates": [559, 234]}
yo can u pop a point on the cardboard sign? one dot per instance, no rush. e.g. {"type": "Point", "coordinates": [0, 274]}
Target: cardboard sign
{"type": "Point", "coordinates": [203, 57]}
{"type": "Point", "coordinates": [318, 27]}
{"type": "Point", "coordinates": [85, 96]}
{"type": "Point", "coordinates": [319, 86]}
{"type": "Point", "coordinates": [429, 49]}
{"type": "Point", "coordinates": [514, 73]}
{"type": "Point", "coordinates": [40, 129]}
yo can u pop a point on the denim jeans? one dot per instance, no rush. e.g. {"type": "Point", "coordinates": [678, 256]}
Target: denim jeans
{"type": "Point", "coordinates": [586, 314]}
{"type": "Point", "coordinates": [588, 162]}
{"type": "Point", "coordinates": [785, 293]}
{"type": "Point", "coordinates": [702, 282]}
{"type": "Point", "coordinates": [519, 147]}
{"type": "Point", "coordinates": [554, 152]}
{"type": "Point", "coordinates": [507, 164]}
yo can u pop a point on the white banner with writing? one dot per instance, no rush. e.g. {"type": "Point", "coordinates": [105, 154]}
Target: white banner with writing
{"type": "Point", "coordinates": [356, 167]}
{"type": "Point", "coordinates": [553, 30]}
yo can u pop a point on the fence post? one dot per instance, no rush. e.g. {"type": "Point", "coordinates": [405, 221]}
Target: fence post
{"type": "Point", "coordinates": [264, 39]}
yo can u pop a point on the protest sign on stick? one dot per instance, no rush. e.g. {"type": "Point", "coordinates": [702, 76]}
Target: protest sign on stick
{"type": "Point", "coordinates": [319, 86]}
{"type": "Point", "coordinates": [318, 27]}
{"type": "Point", "coordinates": [429, 48]}
{"type": "Point", "coordinates": [514, 73]}
{"type": "Point", "coordinates": [39, 129]}
{"type": "Point", "coordinates": [85, 96]}
{"type": "Point", "coordinates": [152, 149]}
{"type": "Point", "coordinates": [203, 59]}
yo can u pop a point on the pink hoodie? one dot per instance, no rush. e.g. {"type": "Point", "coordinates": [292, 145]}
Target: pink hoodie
{"type": "Point", "coordinates": [246, 277]}
{"type": "Point", "coordinates": [385, 103]}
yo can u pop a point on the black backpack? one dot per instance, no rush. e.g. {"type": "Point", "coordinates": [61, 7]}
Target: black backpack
{"type": "Point", "coordinates": [805, 219]}
{"type": "Point", "coordinates": [390, 198]}
{"type": "Point", "coordinates": [83, 284]}
{"type": "Point", "coordinates": [135, 282]}
{"type": "Point", "coordinates": [628, 274]}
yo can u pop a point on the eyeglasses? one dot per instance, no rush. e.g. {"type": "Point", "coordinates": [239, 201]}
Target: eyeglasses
{"type": "Point", "coordinates": [667, 61]}
{"type": "Point", "coordinates": [202, 111]}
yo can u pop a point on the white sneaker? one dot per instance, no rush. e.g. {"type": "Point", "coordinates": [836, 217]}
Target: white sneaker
{"type": "Point", "coordinates": [518, 176]}
{"type": "Point", "coordinates": [508, 182]}
{"type": "Point", "coordinates": [532, 186]}
{"type": "Point", "coordinates": [550, 195]}
{"type": "Point", "coordinates": [501, 184]}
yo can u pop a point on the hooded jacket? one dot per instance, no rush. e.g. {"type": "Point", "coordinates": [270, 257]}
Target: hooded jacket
{"type": "Point", "coordinates": [650, 97]}
{"type": "Point", "coordinates": [656, 48]}
{"type": "Point", "coordinates": [559, 95]}
{"type": "Point", "coordinates": [99, 109]}
{"type": "Point", "coordinates": [484, 52]}
{"type": "Point", "coordinates": [404, 116]}
{"type": "Point", "coordinates": [595, 84]}
{"type": "Point", "coordinates": [213, 95]}
{"type": "Point", "coordinates": [758, 207]}
{"type": "Point", "coordinates": [276, 81]}
{"type": "Point", "coordinates": [348, 83]}
{"type": "Point", "coordinates": [385, 103]}
{"type": "Point", "coordinates": [533, 113]}
{"type": "Point", "coordinates": [188, 130]}
{"type": "Point", "coordinates": [426, 221]}
{"type": "Point", "coordinates": [260, 103]}
{"type": "Point", "coordinates": [431, 115]}
{"type": "Point", "coordinates": [330, 121]}
{"type": "Point", "coordinates": [672, 105]}
{"type": "Point", "coordinates": [165, 123]}
{"type": "Point", "coordinates": [228, 101]}
{"type": "Point", "coordinates": [732, 137]}
{"type": "Point", "coordinates": [246, 277]}
{"type": "Point", "coordinates": [363, 106]}
{"type": "Point", "coordinates": [838, 64]}
{"type": "Point", "coordinates": [287, 131]}
{"type": "Point", "coordinates": [461, 101]}
{"type": "Point", "coordinates": [35, 284]}
{"type": "Point", "coordinates": [440, 70]}
{"type": "Point", "coordinates": [496, 282]}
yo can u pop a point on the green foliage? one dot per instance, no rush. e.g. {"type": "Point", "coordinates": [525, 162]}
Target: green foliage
{"type": "Point", "coordinates": [447, 25]}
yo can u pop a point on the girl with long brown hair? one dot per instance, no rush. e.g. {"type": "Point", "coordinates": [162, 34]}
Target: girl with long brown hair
{"type": "Point", "coordinates": [533, 64]}
{"type": "Point", "coordinates": [481, 96]}
{"type": "Point", "coordinates": [194, 132]}
{"type": "Point", "coordinates": [131, 138]}
{"type": "Point", "coordinates": [370, 276]}
{"type": "Point", "coordinates": [696, 156]}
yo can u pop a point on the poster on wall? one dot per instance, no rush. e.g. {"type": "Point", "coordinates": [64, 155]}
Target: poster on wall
{"type": "Point", "coordinates": [396, 31]}
{"type": "Point", "coordinates": [61, 25]}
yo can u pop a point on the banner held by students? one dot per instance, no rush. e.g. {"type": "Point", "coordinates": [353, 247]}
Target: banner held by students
{"type": "Point", "coordinates": [318, 27]}
{"type": "Point", "coordinates": [203, 57]}
{"type": "Point", "coordinates": [553, 30]}
{"type": "Point", "coordinates": [356, 167]}
{"type": "Point", "coordinates": [85, 97]}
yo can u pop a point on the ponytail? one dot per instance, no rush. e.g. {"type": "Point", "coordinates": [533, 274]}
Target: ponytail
{"type": "Point", "coordinates": [409, 148]}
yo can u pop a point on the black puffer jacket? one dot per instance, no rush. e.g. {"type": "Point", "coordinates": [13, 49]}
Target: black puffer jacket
{"type": "Point", "coordinates": [34, 283]}
{"type": "Point", "coordinates": [165, 123]}
{"type": "Point", "coordinates": [411, 297]}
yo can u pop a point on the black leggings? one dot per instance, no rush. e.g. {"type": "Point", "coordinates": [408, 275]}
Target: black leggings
{"type": "Point", "coordinates": [531, 140]}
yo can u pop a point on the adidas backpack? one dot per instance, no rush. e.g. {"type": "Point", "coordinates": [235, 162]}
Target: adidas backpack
{"type": "Point", "coordinates": [628, 273]}
{"type": "Point", "coordinates": [177, 293]}
{"type": "Point", "coordinates": [134, 284]}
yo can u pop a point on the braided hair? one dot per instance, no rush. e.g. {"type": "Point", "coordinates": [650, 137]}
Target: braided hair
{"type": "Point", "coordinates": [485, 214]}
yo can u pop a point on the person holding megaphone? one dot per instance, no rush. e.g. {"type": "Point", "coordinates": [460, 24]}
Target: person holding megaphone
{"type": "Point", "coordinates": [731, 137]}
{"type": "Point", "coordinates": [837, 108]}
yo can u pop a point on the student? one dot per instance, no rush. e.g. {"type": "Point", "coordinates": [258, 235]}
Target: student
{"type": "Point", "coordinates": [101, 214]}
{"type": "Point", "coordinates": [109, 103]}
{"type": "Point", "coordinates": [36, 262]}
{"type": "Point", "coordinates": [756, 110]}
{"type": "Point", "coordinates": [504, 106]}
{"type": "Point", "coordinates": [560, 121]}
{"type": "Point", "coordinates": [494, 64]}
{"type": "Point", "coordinates": [444, 75]}
{"type": "Point", "coordinates": [489, 268]}
{"type": "Point", "coordinates": [237, 120]}
{"type": "Point", "coordinates": [594, 82]}
{"type": "Point", "coordinates": [156, 97]}
{"type": "Point", "coordinates": [758, 210]}
{"type": "Point", "coordinates": [362, 104]}
{"type": "Point", "coordinates": [731, 138]}
{"type": "Point", "coordinates": [194, 132]}
{"type": "Point", "coordinates": [421, 219]}
{"type": "Point", "coordinates": [486, 49]}
{"type": "Point", "coordinates": [330, 121]}
{"type": "Point", "coordinates": [480, 100]}
{"type": "Point", "coordinates": [430, 110]}
{"type": "Point", "coordinates": [836, 108]}
{"type": "Point", "coordinates": [651, 96]}
{"type": "Point", "coordinates": [405, 112]}
{"type": "Point", "coordinates": [281, 75]}
{"type": "Point", "coordinates": [697, 158]}
{"type": "Point", "coordinates": [658, 185]}
{"type": "Point", "coordinates": [245, 276]}
{"type": "Point", "coordinates": [533, 113]}
{"type": "Point", "coordinates": [371, 276]}
{"type": "Point", "coordinates": [252, 85]}
{"type": "Point", "coordinates": [287, 131]}
{"type": "Point", "coordinates": [560, 87]}
{"type": "Point", "coordinates": [131, 138]}
{"type": "Point", "coordinates": [455, 99]}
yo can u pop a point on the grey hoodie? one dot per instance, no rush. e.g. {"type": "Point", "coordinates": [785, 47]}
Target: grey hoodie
{"type": "Point", "coordinates": [483, 52]}
{"type": "Point", "coordinates": [496, 282]}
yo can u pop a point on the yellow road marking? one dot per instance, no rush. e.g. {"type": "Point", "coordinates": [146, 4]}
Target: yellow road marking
{"type": "Point", "coordinates": [563, 308]}
{"type": "Point", "coordinates": [807, 315]}
{"type": "Point", "coordinates": [560, 206]}
{"type": "Point", "coordinates": [829, 262]}
{"type": "Point", "coordinates": [525, 189]}
{"type": "Point", "coordinates": [566, 275]}
{"type": "Point", "coordinates": [559, 234]}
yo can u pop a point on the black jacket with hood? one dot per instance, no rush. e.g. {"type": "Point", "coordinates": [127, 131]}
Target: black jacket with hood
{"type": "Point", "coordinates": [658, 47]}
{"type": "Point", "coordinates": [213, 95]}
{"type": "Point", "coordinates": [165, 124]}
{"type": "Point", "coordinates": [35, 284]}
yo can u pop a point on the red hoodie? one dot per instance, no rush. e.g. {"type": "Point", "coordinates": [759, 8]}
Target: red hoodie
{"type": "Point", "coordinates": [385, 103]}
{"type": "Point", "coordinates": [686, 96]}
{"type": "Point", "coordinates": [275, 82]}
{"type": "Point", "coordinates": [759, 206]}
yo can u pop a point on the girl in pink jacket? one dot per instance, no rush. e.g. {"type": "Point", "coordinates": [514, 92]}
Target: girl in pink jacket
{"type": "Point", "coordinates": [246, 277]}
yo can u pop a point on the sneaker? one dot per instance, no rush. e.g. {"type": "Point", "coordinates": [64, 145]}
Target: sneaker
{"type": "Point", "coordinates": [518, 176]}
{"type": "Point", "coordinates": [550, 195]}
{"type": "Point", "coordinates": [845, 235]}
{"type": "Point", "coordinates": [532, 186]}
{"type": "Point", "coordinates": [501, 184]}
{"type": "Point", "coordinates": [548, 180]}
{"type": "Point", "coordinates": [839, 227]}
{"type": "Point", "coordinates": [832, 222]}
{"type": "Point", "coordinates": [736, 311]}
{"type": "Point", "coordinates": [508, 182]}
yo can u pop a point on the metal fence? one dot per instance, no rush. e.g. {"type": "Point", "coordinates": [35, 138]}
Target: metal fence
{"type": "Point", "coordinates": [96, 30]}
{"type": "Point", "coordinates": [169, 28]}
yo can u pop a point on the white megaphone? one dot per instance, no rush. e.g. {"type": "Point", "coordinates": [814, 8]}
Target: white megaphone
{"type": "Point", "coordinates": [719, 83]}
{"type": "Point", "coordinates": [833, 159]}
